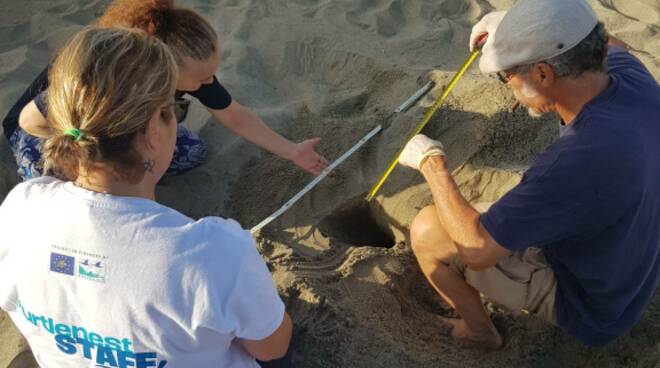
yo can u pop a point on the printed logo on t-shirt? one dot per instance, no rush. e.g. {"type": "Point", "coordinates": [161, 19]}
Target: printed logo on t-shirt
{"type": "Point", "coordinates": [83, 264]}
{"type": "Point", "coordinates": [91, 269]}
{"type": "Point", "coordinates": [62, 263]}
{"type": "Point", "coordinates": [82, 342]}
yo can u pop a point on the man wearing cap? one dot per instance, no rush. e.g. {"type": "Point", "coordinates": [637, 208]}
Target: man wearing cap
{"type": "Point", "coordinates": [577, 242]}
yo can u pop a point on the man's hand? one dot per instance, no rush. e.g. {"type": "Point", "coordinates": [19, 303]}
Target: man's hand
{"type": "Point", "coordinates": [485, 27]}
{"type": "Point", "coordinates": [418, 149]}
{"type": "Point", "coordinates": [305, 157]}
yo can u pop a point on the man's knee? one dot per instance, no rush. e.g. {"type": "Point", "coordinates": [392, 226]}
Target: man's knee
{"type": "Point", "coordinates": [422, 226]}
{"type": "Point", "coordinates": [428, 236]}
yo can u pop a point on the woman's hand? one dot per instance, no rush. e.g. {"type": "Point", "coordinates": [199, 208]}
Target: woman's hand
{"type": "Point", "coordinates": [305, 157]}
{"type": "Point", "coordinates": [248, 125]}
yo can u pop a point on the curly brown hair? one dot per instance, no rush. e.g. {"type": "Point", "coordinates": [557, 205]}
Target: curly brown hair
{"type": "Point", "coordinates": [183, 30]}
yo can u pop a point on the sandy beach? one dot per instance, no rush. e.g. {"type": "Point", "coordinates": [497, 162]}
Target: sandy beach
{"type": "Point", "coordinates": [335, 69]}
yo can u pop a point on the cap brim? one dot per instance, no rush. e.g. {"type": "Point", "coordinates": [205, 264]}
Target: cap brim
{"type": "Point", "coordinates": [489, 61]}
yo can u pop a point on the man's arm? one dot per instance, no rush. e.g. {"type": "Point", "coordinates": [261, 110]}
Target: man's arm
{"type": "Point", "coordinates": [475, 245]}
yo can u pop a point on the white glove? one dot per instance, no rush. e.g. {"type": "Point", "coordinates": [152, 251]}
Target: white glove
{"type": "Point", "coordinates": [485, 27]}
{"type": "Point", "coordinates": [419, 148]}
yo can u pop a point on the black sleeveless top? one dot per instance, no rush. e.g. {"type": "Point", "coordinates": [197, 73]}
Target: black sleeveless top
{"type": "Point", "coordinates": [212, 95]}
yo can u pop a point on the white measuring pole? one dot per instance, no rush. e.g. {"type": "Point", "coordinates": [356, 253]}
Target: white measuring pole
{"type": "Point", "coordinates": [316, 180]}
{"type": "Point", "coordinates": [415, 97]}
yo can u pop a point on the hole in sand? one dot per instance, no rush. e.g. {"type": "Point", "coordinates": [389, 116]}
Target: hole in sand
{"type": "Point", "coordinates": [353, 223]}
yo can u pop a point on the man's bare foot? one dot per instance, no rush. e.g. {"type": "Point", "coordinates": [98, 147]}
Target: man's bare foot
{"type": "Point", "coordinates": [488, 339]}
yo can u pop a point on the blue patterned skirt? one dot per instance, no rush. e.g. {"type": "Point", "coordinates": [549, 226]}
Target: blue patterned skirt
{"type": "Point", "coordinates": [189, 153]}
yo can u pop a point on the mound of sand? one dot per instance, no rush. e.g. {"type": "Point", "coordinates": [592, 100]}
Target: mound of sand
{"type": "Point", "coordinates": [335, 69]}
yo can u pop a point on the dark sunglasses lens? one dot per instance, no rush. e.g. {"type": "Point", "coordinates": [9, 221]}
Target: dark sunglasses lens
{"type": "Point", "coordinates": [181, 110]}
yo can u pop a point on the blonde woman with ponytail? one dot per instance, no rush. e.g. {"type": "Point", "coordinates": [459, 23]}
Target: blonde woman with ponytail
{"type": "Point", "coordinates": [93, 271]}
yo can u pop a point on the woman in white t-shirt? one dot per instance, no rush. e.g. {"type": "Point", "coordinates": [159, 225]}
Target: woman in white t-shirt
{"type": "Point", "coordinates": [92, 270]}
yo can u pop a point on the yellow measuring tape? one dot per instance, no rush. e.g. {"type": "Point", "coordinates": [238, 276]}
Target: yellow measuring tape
{"type": "Point", "coordinates": [427, 117]}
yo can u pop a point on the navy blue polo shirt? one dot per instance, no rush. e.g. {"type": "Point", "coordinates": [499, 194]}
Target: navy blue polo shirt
{"type": "Point", "coordinates": [591, 201]}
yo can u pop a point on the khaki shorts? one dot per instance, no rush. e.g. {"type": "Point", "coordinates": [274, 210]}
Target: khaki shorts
{"type": "Point", "coordinates": [522, 281]}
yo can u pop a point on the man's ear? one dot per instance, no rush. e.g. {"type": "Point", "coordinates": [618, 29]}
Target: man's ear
{"type": "Point", "coordinates": [544, 74]}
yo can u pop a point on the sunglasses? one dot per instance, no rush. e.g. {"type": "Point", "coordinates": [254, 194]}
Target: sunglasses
{"type": "Point", "coordinates": [504, 77]}
{"type": "Point", "coordinates": [181, 106]}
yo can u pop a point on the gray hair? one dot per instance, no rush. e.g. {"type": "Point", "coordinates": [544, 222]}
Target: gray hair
{"type": "Point", "coordinates": [586, 56]}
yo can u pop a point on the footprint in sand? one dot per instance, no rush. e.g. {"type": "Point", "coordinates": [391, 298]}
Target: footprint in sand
{"type": "Point", "coordinates": [647, 11]}
{"type": "Point", "coordinates": [408, 19]}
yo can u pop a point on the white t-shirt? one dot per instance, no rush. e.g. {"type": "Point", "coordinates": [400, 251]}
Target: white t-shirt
{"type": "Point", "coordinates": [93, 279]}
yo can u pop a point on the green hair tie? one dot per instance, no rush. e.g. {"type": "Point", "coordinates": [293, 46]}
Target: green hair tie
{"type": "Point", "coordinates": [75, 133]}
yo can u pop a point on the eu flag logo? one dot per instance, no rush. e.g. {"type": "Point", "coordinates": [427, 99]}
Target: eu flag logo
{"type": "Point", "coordinates": [61, 263]}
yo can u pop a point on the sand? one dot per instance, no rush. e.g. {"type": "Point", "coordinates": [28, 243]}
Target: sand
{"type": "Point", "coordinates": [335, 69]}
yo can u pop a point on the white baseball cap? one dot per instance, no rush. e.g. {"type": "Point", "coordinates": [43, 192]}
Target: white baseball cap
{"type": "Point", "coordinates": [537, 30]}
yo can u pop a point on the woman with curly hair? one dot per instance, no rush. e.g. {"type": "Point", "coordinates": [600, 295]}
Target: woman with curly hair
{"type": "Point", "coordinates": [194, 44]}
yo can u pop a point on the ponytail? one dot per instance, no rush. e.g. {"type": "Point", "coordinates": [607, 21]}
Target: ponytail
{"type": "Point", "coordinates": [100, 98]}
